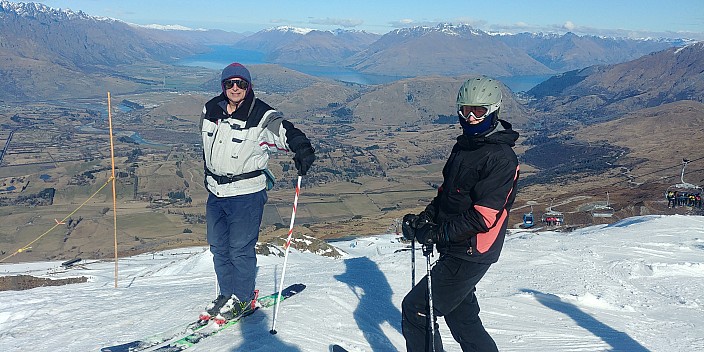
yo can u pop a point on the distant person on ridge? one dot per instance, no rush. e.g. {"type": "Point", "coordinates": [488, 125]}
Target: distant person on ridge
{"type": "Point", "coordinates": [239, 131]}
{"type": "Point", "coordinates": [670, 199]}
{"type": "Point", "coordinates": [466, 221]}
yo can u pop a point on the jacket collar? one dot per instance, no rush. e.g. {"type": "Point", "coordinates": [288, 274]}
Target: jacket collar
{"type": "Point", "coordinates": [501, 134]}
{"type": "Point", "coordinates": [242, 112]}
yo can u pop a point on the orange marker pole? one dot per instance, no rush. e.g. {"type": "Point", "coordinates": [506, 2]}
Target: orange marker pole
{"type": "Point", "coordinates": [114, 197]}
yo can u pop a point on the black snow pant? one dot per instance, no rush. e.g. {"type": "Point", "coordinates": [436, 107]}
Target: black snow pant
{"type": "Point", "coordinates": [454, 282]}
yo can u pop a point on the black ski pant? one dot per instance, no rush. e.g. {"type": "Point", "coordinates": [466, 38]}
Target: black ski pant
{"type": "Point", "coordinates": [453, 284]}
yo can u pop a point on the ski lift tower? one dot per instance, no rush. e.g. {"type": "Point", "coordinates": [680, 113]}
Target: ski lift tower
{"type": "Point", "coordinates": [684, 186]}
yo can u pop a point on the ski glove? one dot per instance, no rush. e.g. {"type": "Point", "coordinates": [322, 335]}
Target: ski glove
{"type": "Point", "coordinates": [423, 218]}
{"type": "Point", "coordinates": [409, 226]}
{"type": "Point", "coordinates": [412, 222]}
{"type": "Point", "coordinates": [304, 158]}
{"type": "Point", "coordinates": [429, 233]}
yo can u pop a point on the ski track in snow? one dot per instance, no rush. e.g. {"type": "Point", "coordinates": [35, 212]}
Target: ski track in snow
{"type": "Point", "coordinates": [636, 285]}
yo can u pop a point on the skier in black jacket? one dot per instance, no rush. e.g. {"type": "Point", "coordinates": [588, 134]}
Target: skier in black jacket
{"type": "Point", "coordinates": [466, 221]}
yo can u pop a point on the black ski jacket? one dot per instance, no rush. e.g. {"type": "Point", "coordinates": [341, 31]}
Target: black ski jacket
{"type": "Point", "coordinates": [478, 190]}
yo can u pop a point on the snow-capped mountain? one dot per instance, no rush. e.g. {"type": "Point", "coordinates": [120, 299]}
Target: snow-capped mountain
{"type": "Point", "coordinates": [459, 49]}
{"type": "Point", "coordinates": [291, 45]}
{"type": "Point", "coordinates": [76, 49]}
{"type": "Point", "coordinates": [446, 50]}
{"type": "Point", "coordinates": [658, 78]}
{"type": "Point", "coordinates": [41, 11]}
{"type": "Point", "coordinates": [73, 44]}
{"type": "Point", "coordinates": [456, 49]}
{"type": "Point", "coordinates": [569, 51]}
{"type": "Point", "coordinates": [445, 28]}
{"type": "Point", "coordinates": [75, 39]}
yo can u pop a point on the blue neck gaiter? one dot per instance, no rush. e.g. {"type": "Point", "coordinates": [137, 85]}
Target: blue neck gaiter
{"type": "Point", "coordinates": [478, 129]}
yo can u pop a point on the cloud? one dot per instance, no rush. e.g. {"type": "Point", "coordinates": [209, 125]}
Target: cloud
{"type": "Point", "coordinates": [403, 23]}
{"type": "Point", "coordinates": [344, 22]}
{"type": "Point", "coordinates": [475, 23]}
{"type": "Point", "coordinates": [569, 26]}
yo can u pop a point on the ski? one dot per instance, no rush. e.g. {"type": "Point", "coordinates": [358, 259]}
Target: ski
{"type": "Point", "coordinates": [157, 339]}
{"type": "Point", "coordinates": [189, 335]}
{"type": "Point", "coordinates": [337, 348]}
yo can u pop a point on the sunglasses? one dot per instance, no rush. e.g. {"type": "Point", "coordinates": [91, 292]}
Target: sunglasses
{"type": "Point", "coordinates": [241, 84]}
{"type": "Point", "coordinates": [478, 112]}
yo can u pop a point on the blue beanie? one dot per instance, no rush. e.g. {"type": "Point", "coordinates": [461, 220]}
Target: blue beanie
{"type": "Point", "coordinates": [235, 69]}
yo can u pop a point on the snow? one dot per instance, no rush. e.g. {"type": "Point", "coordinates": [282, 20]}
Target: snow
{"type": "Point", "coordinates": [35, 10]}
{"type": "Point", "coordinates": [636, 285]}
{"type": "Point", "coordinates": [168, 27]}
{"type": "Point", "coordinates": [296, 30]}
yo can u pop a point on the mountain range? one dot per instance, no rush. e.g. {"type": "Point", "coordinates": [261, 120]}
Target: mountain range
{"type": "Point", "coordinates": [604, 92]}
{"type": "Point", "coordinates": [39, 41]}
{"type": "Point", "coordinates": [456, 49]}
{"type": "Point", "coordinates": [290, 45]}
{"type": "Point", "coordinates": [48, 53]}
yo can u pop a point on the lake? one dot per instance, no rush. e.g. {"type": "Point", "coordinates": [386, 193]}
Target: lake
{"type": "Point", "coordinates": [223, 55]}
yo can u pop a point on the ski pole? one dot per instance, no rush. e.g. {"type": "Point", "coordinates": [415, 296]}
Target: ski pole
{"type": "Point", "coordinates": [286, 247]}
{"type": "Point", "coordinates": [409, 232]}
{"type": "Point", "coordinates": [431, 323]}
{"type": "Point", "coordinates": [413, 263]}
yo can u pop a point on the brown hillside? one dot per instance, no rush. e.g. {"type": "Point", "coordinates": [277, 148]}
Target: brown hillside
{"type": "Point", "coordinates": [421, 100]}
{"type": "Point", "coordinates": [656, 138]}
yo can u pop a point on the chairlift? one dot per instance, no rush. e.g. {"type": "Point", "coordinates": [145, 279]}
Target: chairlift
{"type": "Point", "coordinates": [683, 187]}
{"type": "Point", "coordinates": [553, 218]}
{"type": "Point", "coordinates": [528, 220]}
{"type": "Point", "coordinates": [603, 211]}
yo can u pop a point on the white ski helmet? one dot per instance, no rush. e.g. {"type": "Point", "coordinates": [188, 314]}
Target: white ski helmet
{"type": "Point", "coordinates": [481, 91]}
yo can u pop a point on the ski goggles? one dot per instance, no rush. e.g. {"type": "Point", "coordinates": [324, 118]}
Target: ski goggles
{"type": "Point", "coordinates": [240, 83]}
{"type": "Point", "coordinates": [478, 112]}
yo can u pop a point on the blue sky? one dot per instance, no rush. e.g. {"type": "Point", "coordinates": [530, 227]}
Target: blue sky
{"type": "Point", "coordinates": [634, 18]}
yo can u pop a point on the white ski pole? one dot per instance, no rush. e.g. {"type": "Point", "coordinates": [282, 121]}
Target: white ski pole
{"type": "Point", "coordinates": [286, 247]}
{"type": "Point", "coordinates": [413, 263]}
{"type": "Point", "coordinates": [431, 314]}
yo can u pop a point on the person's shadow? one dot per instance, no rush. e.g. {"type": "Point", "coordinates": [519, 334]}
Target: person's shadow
{"type": "Point", "coordinates": [255, 326]}
{"type": "Point", "coordinates": [256, 337]}
{"type": "Point", "coordinates": [618, 340]}
{"type": "Point", "coordinates": [375, 306]}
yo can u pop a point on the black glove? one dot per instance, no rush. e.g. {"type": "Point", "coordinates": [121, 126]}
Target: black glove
{"type": "Point", "coordinates": [304, 158]}
{"type": "Point", "coordinates": [429, 233]}
{"type": "Point", "coordinates": [409, 226]}
{"type": "Point", "coordinates": [423, 217]}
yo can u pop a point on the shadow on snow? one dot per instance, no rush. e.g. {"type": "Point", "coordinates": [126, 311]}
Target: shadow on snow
{"type": "Point", "coordinates": [375, 306]}
{"type": "Point", "coordinates": [619, 341]}
{"type": "Point", "coordinates": [257, 325]}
